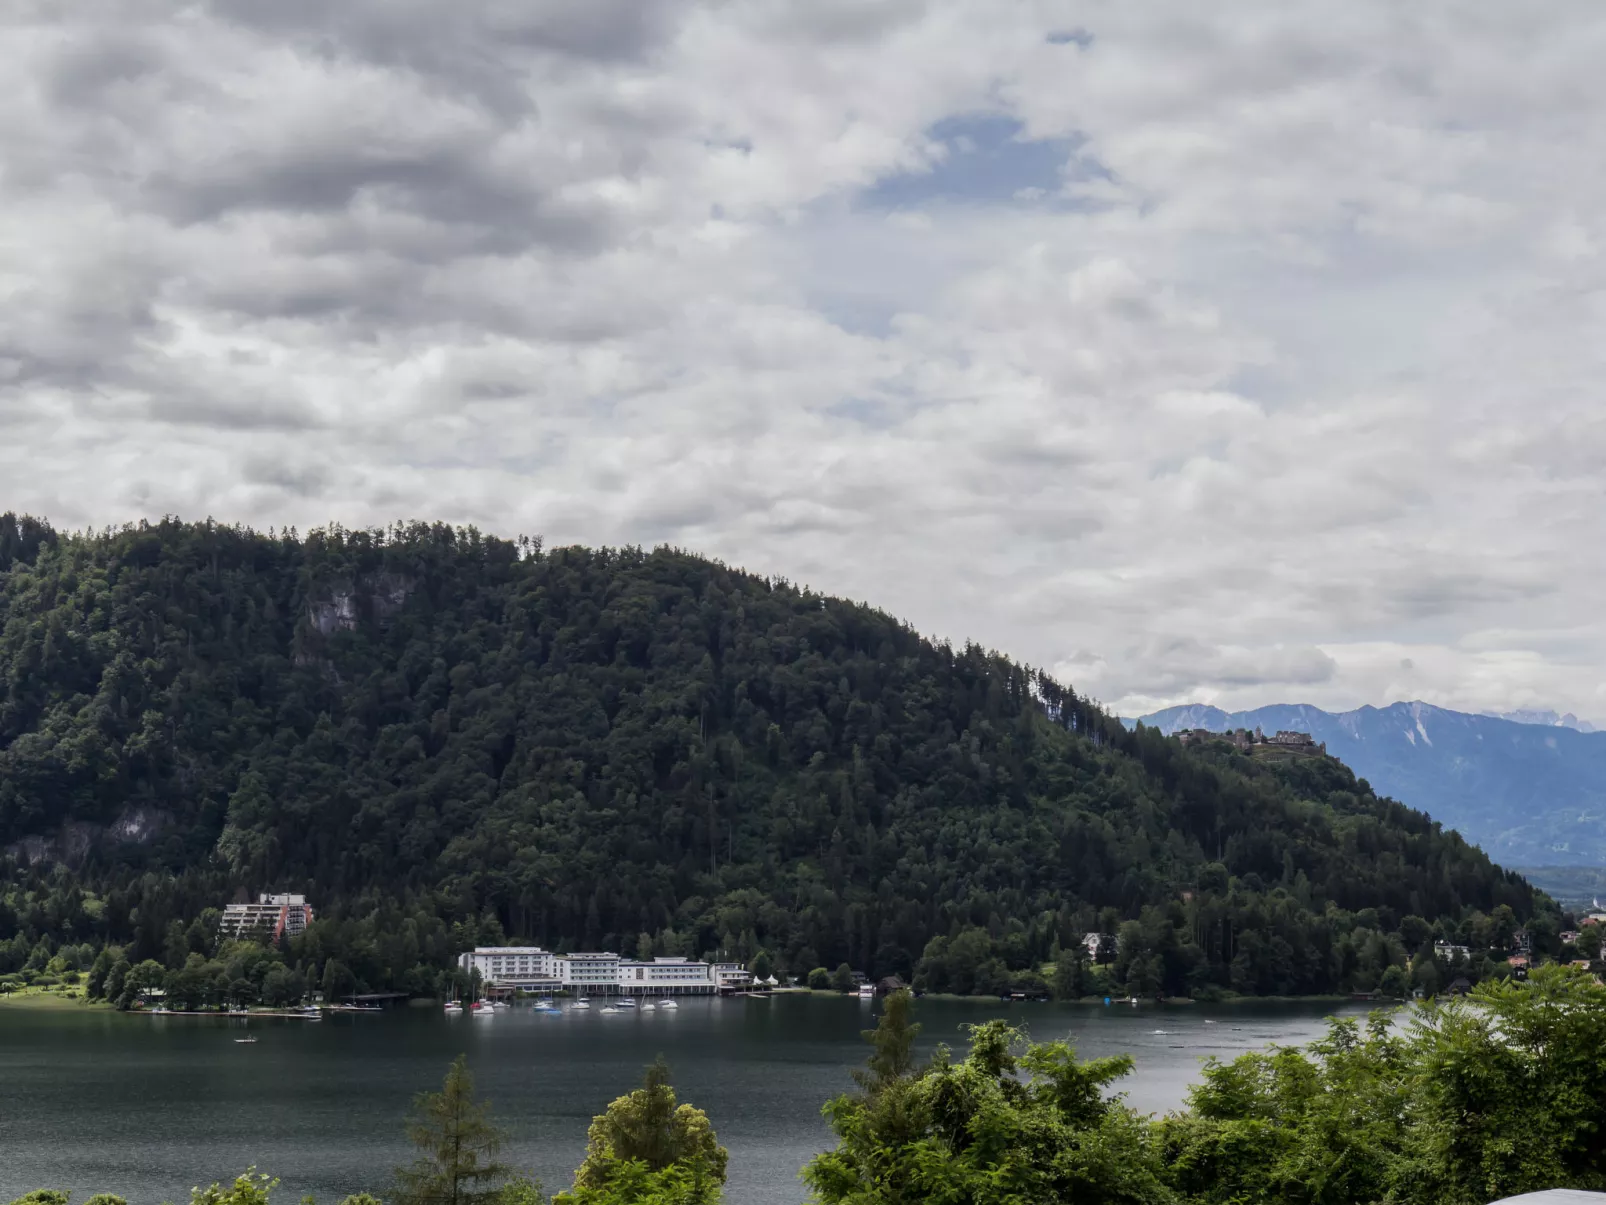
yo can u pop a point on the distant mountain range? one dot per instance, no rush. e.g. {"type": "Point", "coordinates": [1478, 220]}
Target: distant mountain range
{"type": "Point", "coordinates": [1548, 718]}
{"type": "Point", "coordinates": [1527, 786]}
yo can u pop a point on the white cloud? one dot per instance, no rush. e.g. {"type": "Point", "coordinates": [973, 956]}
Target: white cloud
{"type": "Point", "coordinates": [1287, 391]}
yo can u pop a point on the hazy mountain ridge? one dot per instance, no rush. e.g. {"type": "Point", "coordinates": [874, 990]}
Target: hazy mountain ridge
{"type": "Point", "coordinates": [1547, 718]}
{"type": "Point", "coordinates": [1527, 792]}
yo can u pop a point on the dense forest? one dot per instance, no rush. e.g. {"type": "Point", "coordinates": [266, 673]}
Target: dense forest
{"type": "Point", "coordinates": [445, 738]}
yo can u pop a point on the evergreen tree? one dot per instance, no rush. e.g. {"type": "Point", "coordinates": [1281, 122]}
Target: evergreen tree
{"type": "Point", "coordinates": [893, 1039]}
{"type": "Point", "coordinates": [1070, 974]}
{"type": "Point", "coordinates": [458, 1146]}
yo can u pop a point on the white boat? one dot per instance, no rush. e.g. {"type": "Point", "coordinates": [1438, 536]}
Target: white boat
{"type": "Point", "coordinates": [627, 1002]}
{"type": "Point", "coordinates": [647, 1006]}
{"type": "Point", "coordinates": [453, 1006]}
{"type": "Point", "coordinates": [611, 1009]}
{"type": "Point", "coordinates": [867, 991]}
{"type": "Point", "coordinates": [244, 1041]}
{"type": "Point", "coordinates": [667, 1004]}
{"type": "Point", "coordinates": [581, 1003]}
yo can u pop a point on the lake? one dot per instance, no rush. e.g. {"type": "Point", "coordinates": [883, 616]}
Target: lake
{"type": "Point", "coordinates": [147, 1107]}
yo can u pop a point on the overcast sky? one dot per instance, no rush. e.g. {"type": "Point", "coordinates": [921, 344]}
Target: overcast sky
{"type": "Point", "coordinates": [1239, 353]}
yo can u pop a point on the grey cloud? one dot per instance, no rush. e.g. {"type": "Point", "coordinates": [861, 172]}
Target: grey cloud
{"type": "Point", "coordinates": [830, 21]}
{"type": "Point", "coordinates": [225, 412]}
{"type": "Point", "coordinates": [465, 42]}
{"type": "Point", "coordinates": [1181, 665]}
{"type": "Point", "coordinates": [1301, 388]}
{"type": "Point", "coordinates": [305, 480]}
{"type": "Point", "coordinates": [87, 72]}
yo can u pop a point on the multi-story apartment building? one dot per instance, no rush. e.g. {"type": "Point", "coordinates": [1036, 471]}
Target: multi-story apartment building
{"type": "Point", "coordinates": [513, 966]}
{"type": "Point", "coordinates": [271, 917]}
{"type": "Point", "coordinates": [532, 968]}
{"type": "Point", "coordinates": [666, 976]}
{"type": "Point", "coordinates": [590, 972]}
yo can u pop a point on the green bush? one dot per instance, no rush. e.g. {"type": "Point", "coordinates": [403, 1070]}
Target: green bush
{"type": "Point", "coordinates": [820, 979]}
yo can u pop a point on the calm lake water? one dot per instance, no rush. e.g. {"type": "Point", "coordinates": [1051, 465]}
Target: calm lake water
{"type": "Point", "coordinates": [147, 1107]}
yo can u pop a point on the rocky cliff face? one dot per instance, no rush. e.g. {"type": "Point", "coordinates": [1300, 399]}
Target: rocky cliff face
{"type": "Point", "coordinates": [72, 842]}
{"type": "Point", "coordinates": [343, 606]}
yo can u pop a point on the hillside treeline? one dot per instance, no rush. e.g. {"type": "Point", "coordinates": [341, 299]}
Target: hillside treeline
{"type": "Point", "coordinates": [443, 737]}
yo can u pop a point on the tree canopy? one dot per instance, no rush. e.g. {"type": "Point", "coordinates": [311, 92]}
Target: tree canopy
{"type": "Point", "coordinates": [646, 1147]}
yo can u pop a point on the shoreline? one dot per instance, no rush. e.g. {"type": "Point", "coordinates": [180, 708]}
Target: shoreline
{"type": "Point", "coordinates": [1168, 1002]}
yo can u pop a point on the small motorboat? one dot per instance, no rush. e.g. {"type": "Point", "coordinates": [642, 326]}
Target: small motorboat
{"type": "Point", "coordinates": [611, 1009]}
{"type": "Point", "coordinates": [647, 1006]}
{"type": "Point", "coordinates": [581, 1003]}
{"type": "Point", "coordinates": [453, 1006]}
{"type": "Point", "coordinates": [627, 1002]}
{"type": "Point", "coordinates": [246, 1041]}
{"type": "Point", "coordinates": [667, 1004]}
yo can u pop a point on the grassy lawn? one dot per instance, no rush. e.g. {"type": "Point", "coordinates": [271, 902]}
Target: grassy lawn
{"type": "Point", "coordinates": [48, 997]}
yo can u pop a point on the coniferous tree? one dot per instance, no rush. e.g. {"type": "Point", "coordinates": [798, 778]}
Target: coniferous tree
{"type": "Point", "coordinates": [894, 1041]}
{"type": "Point", "coordinates": [458, 1145]}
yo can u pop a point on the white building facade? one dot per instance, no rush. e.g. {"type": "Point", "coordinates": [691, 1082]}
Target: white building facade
{"type": "Point", "coordinates": [512, 966]}
{"type": "Point", "coordinates": [590, 972]}
{"type": "Point", "coordinates": [666, 977]}
{"type": "Point", "coordinates": [533, 969]}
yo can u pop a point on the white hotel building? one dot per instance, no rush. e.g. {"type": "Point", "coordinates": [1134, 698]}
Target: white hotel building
{"type": "Point", "coordinates": [534, 969]}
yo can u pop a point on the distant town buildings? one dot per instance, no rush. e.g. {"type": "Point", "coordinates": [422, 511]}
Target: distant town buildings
{"type": "Point", "coordinates": [1242, 738]}
{"type": "Point", "coordinates": [530, 968]}
{"type": "Point", "coordinates": [271, 917]}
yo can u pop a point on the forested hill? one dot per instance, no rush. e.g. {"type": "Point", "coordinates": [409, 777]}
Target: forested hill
{"type": "Point", "coordinates": [442, 737]}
